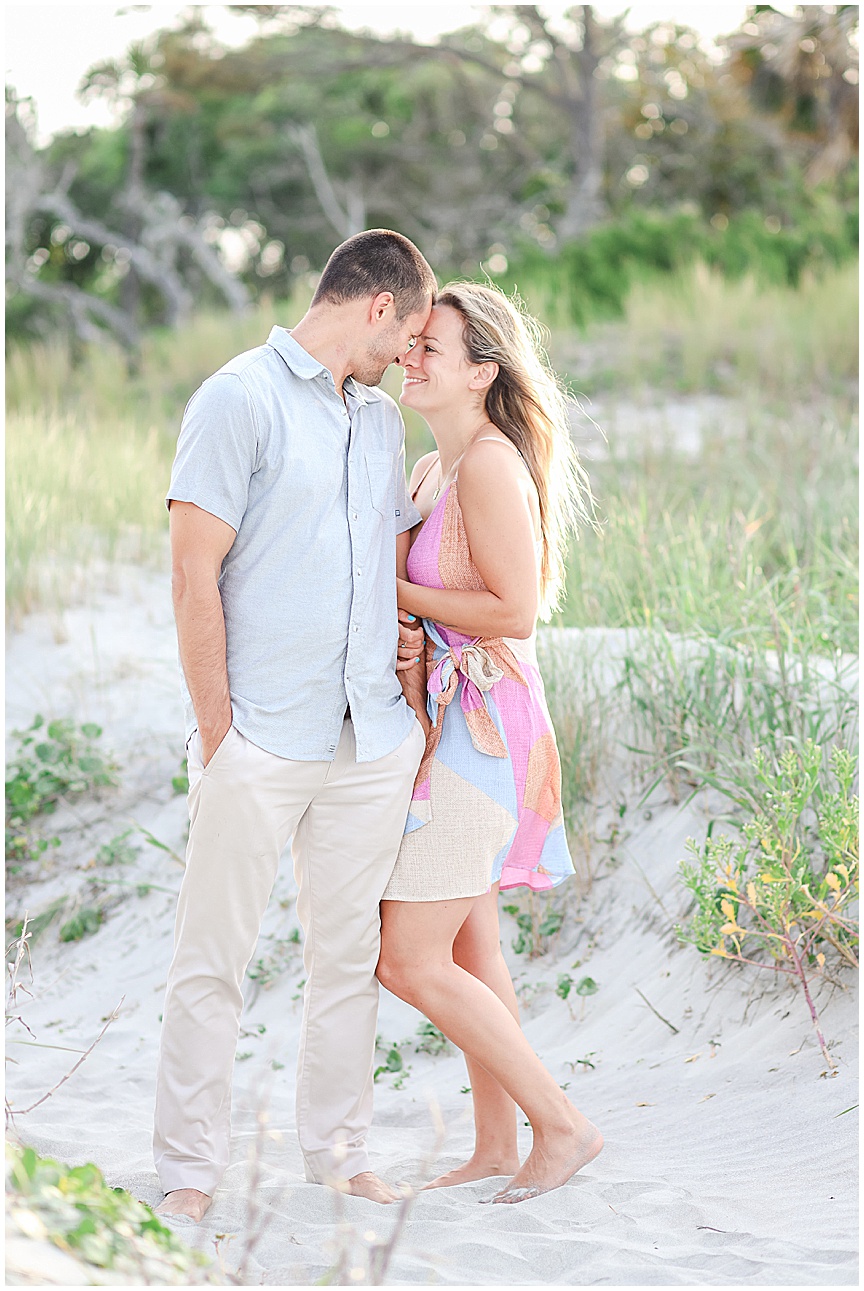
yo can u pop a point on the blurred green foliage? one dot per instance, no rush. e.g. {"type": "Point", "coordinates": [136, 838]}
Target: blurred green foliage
{"type": "Point", "coordinates": [592, 278]}
{"type": "Point", "coordinates": [485, 149]}
{"type": "Point", "coordinates": [75, 1210]}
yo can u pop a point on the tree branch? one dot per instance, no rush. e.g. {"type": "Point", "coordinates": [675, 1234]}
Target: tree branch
{"type": "Point", "coordinates": [306, 138]}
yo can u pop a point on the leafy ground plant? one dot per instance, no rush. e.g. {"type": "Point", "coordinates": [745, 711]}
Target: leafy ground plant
{"type": "Point", "coordinates": [567, 987]}
{"type": "Point", "coordinates": [393, 1064]}
{"type": "Point", "coordinates": [118, 850]}
{"type": "Point", "coordinates": [60, 760]}
{"type": "Point", "coordinates": [75, 1210]}
{"type": "Point", "coordinates": [780, 899]}
{"type": "Point", "coordinates": [432, 1041]}
{"type": "Point", "coordinates": [536, 924]}
{"type": "Point", "coordinates": [83, 924]}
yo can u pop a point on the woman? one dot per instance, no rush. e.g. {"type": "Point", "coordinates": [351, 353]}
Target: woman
{"type": "Point", "coordinates": [498, 498]}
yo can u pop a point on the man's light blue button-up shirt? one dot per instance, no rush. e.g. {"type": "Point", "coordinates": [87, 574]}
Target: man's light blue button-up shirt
{"type": "Point", "coordinates": [314, 486]}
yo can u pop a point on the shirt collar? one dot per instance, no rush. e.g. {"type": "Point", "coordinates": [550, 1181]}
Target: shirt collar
{"type": "Point", "coordinates": [302, 364]}
{"type": "Point", "coordinates": [363, 394]}
{"type": "Point", "coordinates": [300, 361]}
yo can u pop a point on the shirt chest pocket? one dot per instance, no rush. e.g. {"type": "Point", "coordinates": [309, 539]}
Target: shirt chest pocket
{"type": "Point", "coordinates": [379, 471]}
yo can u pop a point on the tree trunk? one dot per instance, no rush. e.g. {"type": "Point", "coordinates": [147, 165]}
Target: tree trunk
{"type": "Point", "coordinates": [585, 205]}
{"type": "Point", "coordinates": [130, 286]}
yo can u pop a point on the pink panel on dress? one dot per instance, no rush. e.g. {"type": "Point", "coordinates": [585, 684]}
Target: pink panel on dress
{"type": "Point", "coordinates": [527, 846]}
{"type": "Point", "coordinates": [422, 792]}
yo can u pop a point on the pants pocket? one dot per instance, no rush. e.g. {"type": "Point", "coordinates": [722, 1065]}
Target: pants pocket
{"type": "Point", "coordinates": [221, 750]}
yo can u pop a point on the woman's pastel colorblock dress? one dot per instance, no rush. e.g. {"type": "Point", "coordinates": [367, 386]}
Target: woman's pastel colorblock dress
{"type": "Point", "coordinates": [487, 800]}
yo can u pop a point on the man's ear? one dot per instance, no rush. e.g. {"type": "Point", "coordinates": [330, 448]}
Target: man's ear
{"type": "Point", "coordinates": [483, 376]}
{"type": "Point", "coordinates": [381, 306]}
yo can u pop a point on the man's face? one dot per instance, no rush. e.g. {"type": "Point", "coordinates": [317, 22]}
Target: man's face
{"type": "Point", "coordinates": [386, 348]}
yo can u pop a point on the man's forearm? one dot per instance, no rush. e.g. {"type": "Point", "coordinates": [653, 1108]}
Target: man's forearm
{"type": "Point", "coordinates": [201, 636]}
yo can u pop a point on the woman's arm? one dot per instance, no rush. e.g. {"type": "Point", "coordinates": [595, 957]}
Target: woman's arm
{"type": "Point", "coordinates": [494, 496]}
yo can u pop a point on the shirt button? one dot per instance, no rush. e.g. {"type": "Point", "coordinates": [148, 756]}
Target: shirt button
{"type": "Point", "coordinates": [356, 629]}
{"type": "Point", "coordinates": [355, 515]}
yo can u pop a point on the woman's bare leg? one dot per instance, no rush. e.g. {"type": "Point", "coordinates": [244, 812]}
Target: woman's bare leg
{"type": "Point", "coordinates": [417, 965]}
{"type": "Point", "coordinates": [477, 949]}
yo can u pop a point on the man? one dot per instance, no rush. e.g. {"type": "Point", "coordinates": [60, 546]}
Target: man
{"type": "Point", "coordinates": [286, 499]}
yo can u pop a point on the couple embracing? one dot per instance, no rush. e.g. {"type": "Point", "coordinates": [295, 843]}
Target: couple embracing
{"type": "Point", "coordinates": [361, 678]}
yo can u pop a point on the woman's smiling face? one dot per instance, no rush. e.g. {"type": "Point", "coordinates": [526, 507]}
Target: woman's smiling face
{"type": "Point", "coordinates": [437, 371]}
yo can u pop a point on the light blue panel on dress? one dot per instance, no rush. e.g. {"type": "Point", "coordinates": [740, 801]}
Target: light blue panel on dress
{"type": "Point", "coordinates": [494, 776]}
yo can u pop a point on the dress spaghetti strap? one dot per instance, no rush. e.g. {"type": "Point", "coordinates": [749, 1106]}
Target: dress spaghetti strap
{"type": "Point", "coordinates": [493, 439]}
{"type": "Point", "coordinates": [419, 484]}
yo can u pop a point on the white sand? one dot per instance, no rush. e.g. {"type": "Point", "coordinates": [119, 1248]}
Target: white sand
{"type": "Point", "coordinates": [728, 1160]}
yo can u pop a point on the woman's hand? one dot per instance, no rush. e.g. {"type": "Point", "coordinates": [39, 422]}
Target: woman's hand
{"type": "Point", "coordinates": [412, 642]}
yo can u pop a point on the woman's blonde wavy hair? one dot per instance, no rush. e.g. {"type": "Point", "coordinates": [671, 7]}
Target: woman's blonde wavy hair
{"type": "Point", "coordinates": [527, 403]}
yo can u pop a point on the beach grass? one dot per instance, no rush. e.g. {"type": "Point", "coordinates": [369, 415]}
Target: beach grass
{"type": "Point", "coordinates": [696, 330]}
{"type": "Point", "coordinates": [756, 535]}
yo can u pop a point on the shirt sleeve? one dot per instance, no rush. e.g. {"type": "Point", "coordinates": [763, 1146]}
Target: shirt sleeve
{"type": "Point", "coordinates": [407, 514]}
{"type": "Point", "coordinates": [217, 452]}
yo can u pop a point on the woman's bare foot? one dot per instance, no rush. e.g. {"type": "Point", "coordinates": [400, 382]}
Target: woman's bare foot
{"type": "Point", "coordinates": [471, 1171]}
{"type": "Point", "coordinates": [368, 1185]}
{"type": "Point", "coordinates": [555, 1160]}
{"type": "Point", "coordinates": [185, 1201]}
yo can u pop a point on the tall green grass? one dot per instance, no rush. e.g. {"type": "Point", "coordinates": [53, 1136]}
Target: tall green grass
{"type": "Point", "coordinates": [698, 331]}
{"type": "Point", "coordinates": [757, 536]}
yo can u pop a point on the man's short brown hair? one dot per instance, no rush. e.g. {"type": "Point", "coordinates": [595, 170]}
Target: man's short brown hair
{"type": "Point", "coordinates": [374, 261]}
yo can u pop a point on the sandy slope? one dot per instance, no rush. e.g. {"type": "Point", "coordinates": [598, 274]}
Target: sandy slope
{"type": "Point", "coordinates": [728, 1160]}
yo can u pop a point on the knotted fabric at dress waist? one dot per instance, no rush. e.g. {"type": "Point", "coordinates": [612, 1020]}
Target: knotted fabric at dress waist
{"type": "Point", "coordinates": [479, 672]}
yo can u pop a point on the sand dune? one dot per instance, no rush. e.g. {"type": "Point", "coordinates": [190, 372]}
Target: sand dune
{"type": "Point", "coordinates": [728, 1160]}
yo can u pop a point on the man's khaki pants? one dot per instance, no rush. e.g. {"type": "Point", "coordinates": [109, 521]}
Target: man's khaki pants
{"type": "Point", "coordinates": [346, 819]}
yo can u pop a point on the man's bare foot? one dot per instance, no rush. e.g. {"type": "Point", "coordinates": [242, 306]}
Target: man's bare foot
{"type": "Point", "coordinates": [552, 1162]}
{"type": "Point", "coordinates": [368, 1185]}
{"type": "Point", "coordinates": [471, 1171]}
{"type": "Point", "coordinates": [185, 1201]}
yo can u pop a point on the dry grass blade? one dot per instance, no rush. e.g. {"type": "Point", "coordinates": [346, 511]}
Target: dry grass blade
{"type": "Point", "coordinates": [71, 1072]}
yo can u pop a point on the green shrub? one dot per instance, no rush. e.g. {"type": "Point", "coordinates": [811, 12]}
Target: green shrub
{"type": "Point", "coordinates": [590, 278]}
{"type": "Point", "coordinates": [780, 898]}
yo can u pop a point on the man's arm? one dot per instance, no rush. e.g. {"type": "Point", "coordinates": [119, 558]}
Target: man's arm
{"type": "Point", "coordinates": [412, 676]}
{"type": "Point", "coordinates": [199, 544]}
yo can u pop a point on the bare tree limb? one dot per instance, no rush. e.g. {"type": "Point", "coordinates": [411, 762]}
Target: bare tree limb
{"type": "Point", "coordinates": [80, 305]}
{"type": "Point", "coordinates": [161, 275]}
{"type": "Point", "coordinates": [344, 221]}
